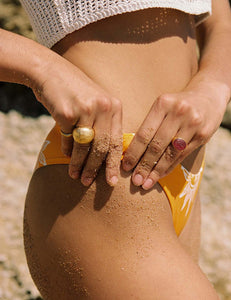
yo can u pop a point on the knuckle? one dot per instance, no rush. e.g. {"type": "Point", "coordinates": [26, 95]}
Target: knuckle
{"type": "Point", "coordinates": [116, 149]}
{"type": "Point", "coordinates": [117, 104]}
{"type": "Point", "coordinates": [112, 164]}
{"type": "Point", "coordinates": [143, 135]}
{"type": "Point", "coordinates": [196, 119]}
{"type": "Point", "coordinates": [101, 147]}
{"type": "Point", "coordinates": [70, 117]}
{"type": "Point", "coordinates": [155, 147]}
{"type": "Point", "coordinates": [100, 152]}
{"type": "Point", "coordinates": [130, 159]}
{"type": "Point", "coordinates": [165, 101]}
{"type": "Point", "coordinates": [182, 107]}
{"type": "Point", "coordinates": [170, 155]}
{"type": "Point", "coordinates": [87, 108]}
{"type": "Point", "coordinates": [145, 165]}
{"type": "Point", "coordinates": [202, 135]}
{"type": "Point", "coordinates": [66, 114]}
{"type": "Point", "coordinates": [104, 103]}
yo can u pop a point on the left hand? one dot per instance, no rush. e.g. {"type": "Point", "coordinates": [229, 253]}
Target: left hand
{"type": "Point", "coordinates": [193, 115]}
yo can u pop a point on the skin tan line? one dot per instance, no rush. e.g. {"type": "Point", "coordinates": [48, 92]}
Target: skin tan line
{"type": "Point", "coordinates": [85, 242]}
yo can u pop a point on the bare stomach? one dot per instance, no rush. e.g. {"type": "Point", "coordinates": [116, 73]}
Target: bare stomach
{"type": "Point", "coordinates": [75, 236]}
{"type": "Point", "coordinates": [135, 57]}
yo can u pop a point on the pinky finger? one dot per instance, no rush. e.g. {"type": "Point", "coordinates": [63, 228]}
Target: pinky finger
{"type": "Point", "coordinates": [66, 142]}
{"type": "Point", "coordinates": [191, 149]}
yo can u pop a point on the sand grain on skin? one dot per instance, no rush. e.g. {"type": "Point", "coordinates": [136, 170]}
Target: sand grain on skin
{"type": "Point", "coordinates": [21, 139]}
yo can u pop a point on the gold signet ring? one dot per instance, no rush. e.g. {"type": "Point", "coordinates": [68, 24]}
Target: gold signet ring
{"type": "Point", "coordinates": [83, 135]}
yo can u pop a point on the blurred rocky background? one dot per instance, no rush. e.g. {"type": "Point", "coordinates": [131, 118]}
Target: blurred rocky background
{"type": "Point", "coordinates": [14, 96]}
{"type": "Point", "coordinates": [23, 125]}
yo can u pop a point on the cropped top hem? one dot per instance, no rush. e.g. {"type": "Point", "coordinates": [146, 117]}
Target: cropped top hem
{"type": "Point", "coordinates": [52, 20]}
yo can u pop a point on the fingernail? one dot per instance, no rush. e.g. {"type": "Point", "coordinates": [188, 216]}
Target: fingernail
{"type": "Point", "coordinates": [127, 166]}
{"type": "Point", "coordinates": [138, 179]}
{"type": "Point", "coordinates": [86, 181]}
{"type": "Point", "coordinates": [67, 154]}
{"type": "Point", "coordinates": [147, 184]}
{"type": "Point", "coordinates": [114, 180]}
{"type": "Point", "coordinates": [74, 174]}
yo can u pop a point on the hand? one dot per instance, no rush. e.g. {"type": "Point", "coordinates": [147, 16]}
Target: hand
{"type": "Point", "coordinates": [73, 100]}
{"type": "Point", "coordinates": [193, 114]}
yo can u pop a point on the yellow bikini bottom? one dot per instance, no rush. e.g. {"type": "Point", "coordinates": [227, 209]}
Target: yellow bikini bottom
{"type": "Point", "coordinates": [180, 186]}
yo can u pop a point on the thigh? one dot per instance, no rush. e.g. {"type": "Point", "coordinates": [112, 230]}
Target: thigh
{"type": "Point", "coordinates": [70, 231]}
{"type": "Point", "coordinates": [190, 235]}
{"type": "Point", "coordinates": [104, 243]}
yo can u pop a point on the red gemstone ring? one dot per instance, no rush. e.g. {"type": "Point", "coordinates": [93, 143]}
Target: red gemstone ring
{"type": "Point", "coordinates": [179, 143]}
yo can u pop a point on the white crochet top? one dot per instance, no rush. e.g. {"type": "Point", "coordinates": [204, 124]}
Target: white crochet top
{"type": "Point", "coordinates": [54, 19]}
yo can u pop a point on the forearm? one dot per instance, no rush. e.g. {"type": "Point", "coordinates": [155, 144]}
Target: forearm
{"type": "Point", "coordinates": [215, 58]}
{"type": "Point", "coordinates": [21, 59]}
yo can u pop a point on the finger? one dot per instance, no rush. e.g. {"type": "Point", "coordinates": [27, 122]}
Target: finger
{"type": "Point", "coordinates": [143, 137]}
{"type": "Point", "coordinates": [162, 165]}
{"type": "Point", "coordinates": [169, 158]}
{"type": "Point", "coordinates": [178, 160]}
{"type": "Point", "coordinates": [154, 151]}
{"type": "Point", "coordinates": [113, 161]}
{"type": "Point", "coordinates": [67, 140]}
{"type": "Point", "coordinates": [79, 152]}
{"type": "Point", "coordinates": [99, 149]}
{"type": "Point", "coordinates": [193, 147]}
{"type": "Point", "coordinates": [161, 153]}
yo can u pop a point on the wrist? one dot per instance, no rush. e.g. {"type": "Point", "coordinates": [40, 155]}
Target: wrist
{"type": "Point", "coordinates": [21, 59]}
{"type": "Point", "coordinates": [203, 83]}
{"type": "Point", "coordinates": [40, 60]}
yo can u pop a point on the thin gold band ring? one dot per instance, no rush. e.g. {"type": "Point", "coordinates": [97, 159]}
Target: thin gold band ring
{"type": "Point", "coordinates": [66, 134]}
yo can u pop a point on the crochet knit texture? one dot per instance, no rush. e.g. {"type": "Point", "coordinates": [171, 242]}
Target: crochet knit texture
{"type": "Point", "coordinates": [54, 19]}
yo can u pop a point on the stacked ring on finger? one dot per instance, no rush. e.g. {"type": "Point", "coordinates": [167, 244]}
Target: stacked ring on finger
{"type": "Point", "coordinates": [66, 134]}
{"type": "Point", "coordinates": [83, 134]}
{"type": "Point", "coordinates": [179, 143]}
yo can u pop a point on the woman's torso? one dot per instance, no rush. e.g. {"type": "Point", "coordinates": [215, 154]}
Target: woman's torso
{"type": "Point", "coordinates": [136, 57]}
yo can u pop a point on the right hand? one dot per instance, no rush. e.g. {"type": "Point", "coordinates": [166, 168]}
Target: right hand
{"type": "Point", "coordinates": [73, 99]}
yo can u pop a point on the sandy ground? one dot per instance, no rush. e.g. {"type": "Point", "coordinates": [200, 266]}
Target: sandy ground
{"type": "Point", "coordinates": [20, 140]}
